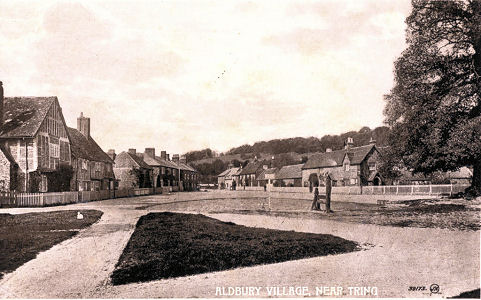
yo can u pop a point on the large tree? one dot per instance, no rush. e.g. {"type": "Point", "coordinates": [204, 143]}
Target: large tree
{"type": "Point", "coordinates": [434, 108]}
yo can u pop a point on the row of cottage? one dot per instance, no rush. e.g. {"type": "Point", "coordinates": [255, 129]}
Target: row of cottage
{"type": "Point", "coordinates": [346, 167]}
{"type": "Point", "coordinates": [38, 151]}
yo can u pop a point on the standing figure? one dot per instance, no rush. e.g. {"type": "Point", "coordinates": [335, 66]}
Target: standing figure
{"type": "Point", "coordinates": [315, 204]}
{"type": "Point", "coordinates": [328, 193]}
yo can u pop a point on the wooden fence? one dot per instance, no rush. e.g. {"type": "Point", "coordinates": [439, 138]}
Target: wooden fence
{"type": "Point", "coordinates": [13, 199]}
{"type": "Point", "coordinates": [432, 189]}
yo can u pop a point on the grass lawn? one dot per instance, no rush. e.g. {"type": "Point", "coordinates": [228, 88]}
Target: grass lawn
{"type": "Point", "coordinates": [23, 236]}
{"type": "Point", "coordinates": [471, 294]}
{"type": "Point", "coordinates": [173, 244]}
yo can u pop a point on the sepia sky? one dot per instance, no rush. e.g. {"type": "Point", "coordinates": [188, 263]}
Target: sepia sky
{"type": "Point", "coordinates": [186, 75]}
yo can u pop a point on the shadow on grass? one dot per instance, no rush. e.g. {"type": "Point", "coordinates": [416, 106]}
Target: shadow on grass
{"type": "Point", "coordinates": [168, 245]}
{"type": "Point", "coordinates": [23, 236]}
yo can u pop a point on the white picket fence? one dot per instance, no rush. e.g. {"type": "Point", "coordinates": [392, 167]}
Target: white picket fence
{"type": "Point", "coordinates": [432, 189]}
{"type": "Point", "coordinates": [289, 189]}
{"type": "Point", "coordinates": [12, 199]}
{"type": "Point", "coordinates": [46, 199]}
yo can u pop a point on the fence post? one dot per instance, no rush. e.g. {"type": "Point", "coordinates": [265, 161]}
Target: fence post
{"type": "Point", "coordinates": [430, 189]}
{"type": "Point", "coordinates": [384, 189]}
{"type": "Point", "coordinates": [412, 189]}
{"type": "Point", "coordinates": [451, 189]}
{"type": "Point", "coordinates": [397, 189]}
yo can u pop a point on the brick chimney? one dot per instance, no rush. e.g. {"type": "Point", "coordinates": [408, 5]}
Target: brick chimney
{"type": "Point", "coordinates": [175, 158]}
{"type": "Point", "coordinates": [111, 154]}
{"type": "Point", "coordinates": [2, 99]}
{"type": "Point", "coordinates": [167, 156]}
{"type": "Point", "coordinates": [150, 152]}
{"type": "Point", "coordinates": [83, 125]}
{"type": "Point", "coordinates": [163, 155]}
{"type": "Point", "coordinates": [372, 141]}
{"type": "Point", "coordinates": [349, 143]}
{"type": "Point", "coordinates": [183, 159]}
{"type": "Point", "coordinates": [132, 151]}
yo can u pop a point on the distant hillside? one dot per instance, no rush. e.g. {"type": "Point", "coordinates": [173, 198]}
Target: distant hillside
{"type": "Point", "coordinates": [312, 144]}
{"type": "Point", "coordinates": [296, 146]}
{"type": "Point", "coordinates": [285, 151]}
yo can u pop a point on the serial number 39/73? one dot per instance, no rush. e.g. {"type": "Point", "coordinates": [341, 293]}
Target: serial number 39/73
{"type": "Point", "coordinates": [417, 288]}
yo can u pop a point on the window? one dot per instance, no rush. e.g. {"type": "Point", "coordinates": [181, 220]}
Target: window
{"type": "Point", "coordinates": [54, 150]}
{"type": "Point", "coordinates": [372, 166]}
{"type": "Point", "coordinates": [346, 166]}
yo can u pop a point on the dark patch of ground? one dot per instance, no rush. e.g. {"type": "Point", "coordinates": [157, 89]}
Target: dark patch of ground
{"type": "Point", "coordinates": [173, 244]}
{"type": "Point", "coordinates": [466, 295]}
{"type": "Point", "coordinates": [23, 236]}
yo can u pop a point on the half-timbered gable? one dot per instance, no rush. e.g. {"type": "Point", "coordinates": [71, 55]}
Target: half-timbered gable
{"type": "Point", "coordinates": [33, 131]}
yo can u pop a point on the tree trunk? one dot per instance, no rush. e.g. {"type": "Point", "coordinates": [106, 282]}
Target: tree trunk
{"type": "Point", "coordinates": [476, 181]}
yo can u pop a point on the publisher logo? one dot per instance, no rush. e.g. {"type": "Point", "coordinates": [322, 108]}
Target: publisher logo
{"type": "Point", "coordinates": [434, 288]}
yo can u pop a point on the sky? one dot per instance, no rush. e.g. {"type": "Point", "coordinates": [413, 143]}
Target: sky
{"type": "Point", "coordinates": [188, 75]}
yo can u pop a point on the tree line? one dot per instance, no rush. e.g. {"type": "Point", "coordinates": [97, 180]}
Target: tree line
{"type": "Point", "coordinates": [301, 145]}
{"type": "Point", "coordinates": [282, 150]}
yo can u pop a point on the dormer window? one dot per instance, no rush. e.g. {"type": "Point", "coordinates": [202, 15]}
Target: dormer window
{"type": "Point", "coordinates": [346, 166]}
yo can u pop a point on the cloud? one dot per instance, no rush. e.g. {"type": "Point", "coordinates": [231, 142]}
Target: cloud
{"type": "Point", "coordinates": [181, 76]}
{"type": "Point", "coordinates": [341, 23]}
{"type": "Point", "coordinates": [77, 43]}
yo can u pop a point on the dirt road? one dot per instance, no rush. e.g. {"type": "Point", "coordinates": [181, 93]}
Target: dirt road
{"type": "Point", "coordinates": [393, 260]}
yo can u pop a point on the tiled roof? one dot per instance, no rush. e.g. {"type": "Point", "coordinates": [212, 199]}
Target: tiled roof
{"type": "Point", "coordinates": [232, 172]}
{"type": "Point", "coordinates": [228, 172]}
{"type": "Point", "coordinates": [151, 161]}
{"type": "Point", "coordinates": [251, 168]}
{"type": "Point", "coordinates": [333, 159]}
{"type": "Point", "coordinates": [289, 172]}
{"type": "Point", "coordinates": [139, 159]}
{"type": "Point", "coordinates": [224, 173]}
{"type": "Point", "coordinates": [86, 148]}
{"type": "Point", "coordinates": [238, 172]}
{"type": "Point", "coordinates": [24, 115]}
{"type": "Point", "coordinates": [166, 163]}
{"type": "Point", "coordinates": [186, 167]}
{"type": "Point", "coordinates": [262, 175]}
